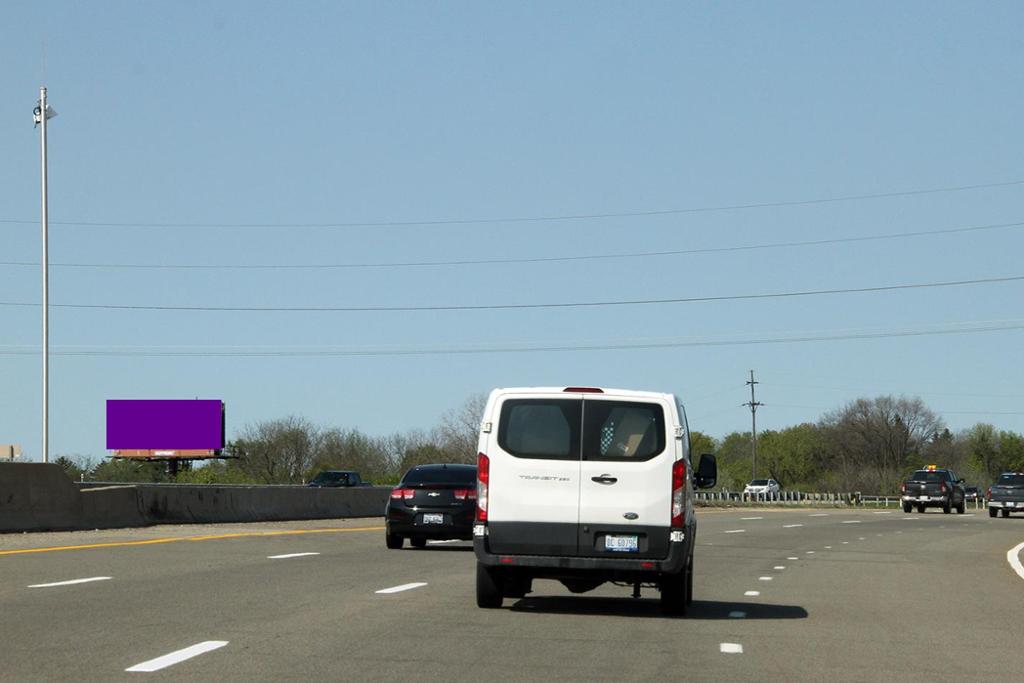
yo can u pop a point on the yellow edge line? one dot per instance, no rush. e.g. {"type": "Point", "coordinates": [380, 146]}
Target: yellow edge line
{"type": "Point", "coordinates": [214, 537]}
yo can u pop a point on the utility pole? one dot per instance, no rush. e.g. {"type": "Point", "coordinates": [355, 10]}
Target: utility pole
{"type": "Point", "coordinates": [753, 404]}
{"type": "Point", "coordinates": [42, 113]}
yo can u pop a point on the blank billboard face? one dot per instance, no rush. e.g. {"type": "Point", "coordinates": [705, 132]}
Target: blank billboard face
{"type": "Point", "coordinates": [164, 424]}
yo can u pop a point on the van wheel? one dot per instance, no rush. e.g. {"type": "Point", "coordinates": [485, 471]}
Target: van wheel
{"type": "Point", "coordinates": [689, 582]}
{"type": "Point", "coordinates": [489, 587]}
{"type": "Point", "coordinates": [674, 598]}
{"type": "Point", "coordinates": [393, 541]}
{"type": "Point", "coordinates": [418, 542]}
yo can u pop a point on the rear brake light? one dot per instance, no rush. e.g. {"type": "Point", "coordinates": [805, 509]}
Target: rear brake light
{"type": "Point", "coordinates": [483, 479]}
{"type": "Point", "coordinates": [400, 493]}
{"type": "Point", "coordinates": [678, 485]}
{"type": "Point", "coordinates": [942, 487]}
{"type": "Point", "coordinates": [583, 390]}
{"type": "Point", "coordinates": [903, 488]}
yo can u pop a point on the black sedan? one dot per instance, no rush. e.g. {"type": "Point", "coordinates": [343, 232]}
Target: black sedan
{"type": "Point", "coordinates": [432, 502]}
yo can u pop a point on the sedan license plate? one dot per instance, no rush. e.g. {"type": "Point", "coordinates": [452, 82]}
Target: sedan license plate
{"type": "Point", "coordinates": [622, 544]}
{"type": "Point", "coordinates": [433, 518]}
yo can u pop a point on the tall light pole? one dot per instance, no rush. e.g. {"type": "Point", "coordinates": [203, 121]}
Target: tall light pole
{"type": "Point", "coordinates": [41, 114]}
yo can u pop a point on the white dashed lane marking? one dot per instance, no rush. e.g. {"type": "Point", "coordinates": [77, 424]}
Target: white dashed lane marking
{"type": "Point", "coordinates": [764, 578]}
{"type": "Point", "coordinates": [792, 558]}
{"type": "Point", "coordinates": [736, 531]}
{"type": "Point", "coordinates": [403, 587]}
{"type": "Point", "coordinates": [71, 582]}
{"type": "Point", "coordinates": [791, 526]}
{"type": "Point", "coordinates": [289, 556]}
{"type": "Point", "coordinates": [731, 648]}
{"type": "Point", "coordinates": [778, 567]}
{"type": "Point", "coordinates": [752, 594]}
{"type": "Point", "coordinates": [747, 519]}
{"type": "Point", "coordinates": [178, 656]}
{"type": "Point", "coordinates": [851, 521]}
{"type": "Point", "coordinates": [820, 514]}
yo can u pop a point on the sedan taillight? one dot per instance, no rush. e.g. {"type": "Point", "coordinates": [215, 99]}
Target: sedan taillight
{"type": "Point", "coordinates": [464, 494]}
{"type": "Point", "coordinates": [402, 494]}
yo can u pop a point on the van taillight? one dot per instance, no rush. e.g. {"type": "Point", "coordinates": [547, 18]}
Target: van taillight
{"type": "Point", "coordinates": [400, 493]}
{"type": "Point", "coordinates": [678, 486]}
{"type": "Point", "coordinates": [483, 478]}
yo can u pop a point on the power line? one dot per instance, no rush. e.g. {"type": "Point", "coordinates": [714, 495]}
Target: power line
{"type": "Point", "coordinates": [967, 327]}
{"type": "Point", "coordinates": [534, 259]}
{"type": "Point", "coordinates": [506, 307]}
{"type": "Point", "coordinates": [538, 219]}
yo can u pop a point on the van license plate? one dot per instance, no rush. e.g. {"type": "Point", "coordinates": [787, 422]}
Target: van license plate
{"type": "Point", "coordinates": [622, 544]}
{"type": "Point", "coordinates": [433, 518]}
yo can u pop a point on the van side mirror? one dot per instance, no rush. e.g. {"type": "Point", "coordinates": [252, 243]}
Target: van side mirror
{"type": "Point", "coordinates": [707, 472]}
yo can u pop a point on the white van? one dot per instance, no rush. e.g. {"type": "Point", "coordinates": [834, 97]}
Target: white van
{"type": "Point", "coordinates": [586, 485]}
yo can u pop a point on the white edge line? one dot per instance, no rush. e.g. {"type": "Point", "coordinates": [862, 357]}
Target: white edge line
{"type": "Point", "coordinates": [178, 656]}
{"type": "Point", "coordinates": [731, 648]}
{"type": "Point", "coordinates": [1013, 557]}
{"type": "Point", "coordinates": [290, 555]}
{"type": "Point", "coordinates": [70, 583]}
{"type": "Point", "coordinates": [403, 587]}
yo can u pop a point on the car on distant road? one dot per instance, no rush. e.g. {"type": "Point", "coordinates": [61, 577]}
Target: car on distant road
{"type": "Point", "coordinates": [435, 502]}
{"type": "Point", "coordinates": [1007, 494]}
{"type": "Point", "coordinates": [762, 487]}
{"type": "Point", "coordinates": [337, 479]}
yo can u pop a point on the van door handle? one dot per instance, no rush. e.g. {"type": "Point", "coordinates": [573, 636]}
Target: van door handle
{"type": "Point", "coordinates": [604, 479]}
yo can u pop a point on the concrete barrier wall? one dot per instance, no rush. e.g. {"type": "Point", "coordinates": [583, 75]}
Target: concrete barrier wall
{"type": "Point", "coordinates": [37, 496]}
{"type": "Point", "coordinates": [40, 497]}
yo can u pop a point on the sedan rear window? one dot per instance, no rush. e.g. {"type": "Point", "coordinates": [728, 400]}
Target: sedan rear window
{"type": "Point", "coordinates": [440, 475]}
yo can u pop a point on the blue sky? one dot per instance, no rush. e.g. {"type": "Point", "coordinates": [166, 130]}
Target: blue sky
{"type": "Point", "coordinates": [237, 134]}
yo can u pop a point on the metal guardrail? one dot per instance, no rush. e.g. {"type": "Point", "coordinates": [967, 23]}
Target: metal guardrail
{"type": "Point", "coordinates": [800, 497]}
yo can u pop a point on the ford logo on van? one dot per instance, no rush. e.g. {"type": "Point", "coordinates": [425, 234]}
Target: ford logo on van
{"type": "Point", "coordinates": [631, 515]}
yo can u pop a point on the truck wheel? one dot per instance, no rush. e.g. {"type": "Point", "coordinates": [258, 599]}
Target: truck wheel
{"type": "Point", "coordinates": [393, 541]}
{"type": "Point", "coordinates": [906, 508]}
{"type": "Point", "coordinates": [991, 512]}
{"type": "Point", "coordinates": [920, 507]}
{"type": "Point", "coordinates": [961, 508]}
{"type": "Point", "coordinates": [1006, 513]}
{"type": "Point", "coordinates": [489, 587]}
{"type": "Point", "coordinates": [946, 509]}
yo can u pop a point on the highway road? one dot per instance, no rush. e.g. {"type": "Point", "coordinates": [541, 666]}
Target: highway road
{"type": "Point", "coordinates": [794, 595]}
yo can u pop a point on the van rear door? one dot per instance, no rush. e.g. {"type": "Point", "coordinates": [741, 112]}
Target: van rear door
{"type": "Point", "coordinates": [625, 502]}
{"type": "Point", "coordinates": [534, 490]}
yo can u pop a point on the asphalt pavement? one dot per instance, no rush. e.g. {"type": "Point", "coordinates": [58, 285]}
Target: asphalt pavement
{"type": "Point", "coordinates": [780, 594]}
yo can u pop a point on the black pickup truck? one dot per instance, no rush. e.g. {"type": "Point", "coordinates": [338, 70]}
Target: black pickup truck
{"type": "Point", "coordinates": [1007, 494]}
{"type": "Point", "coordinates": [337, 479]}
{"type": "Point", "coordinates": [933, 487]}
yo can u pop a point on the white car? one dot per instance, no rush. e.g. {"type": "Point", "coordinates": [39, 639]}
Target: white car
{"type": "Point", "coordinates": [585, 485]}
{"type": "Point", "coordinates": [762, 487]}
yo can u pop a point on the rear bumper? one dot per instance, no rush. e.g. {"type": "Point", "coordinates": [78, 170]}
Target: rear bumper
{"type": "Point", "coordinates": [613, 568]}
{"type": "Point", "coordinates": [1008, 504]}
{"type": "Point", "coordinates": [926, 500]}
{"type": "Point", "coordinates": [457, 523]}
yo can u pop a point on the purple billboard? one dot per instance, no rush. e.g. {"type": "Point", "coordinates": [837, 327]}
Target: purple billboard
{"type": "Point", "coordinates": [165, 424]}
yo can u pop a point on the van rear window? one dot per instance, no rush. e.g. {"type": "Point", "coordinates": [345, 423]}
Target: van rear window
{"type": "Point", "coordinates": [620, 430]}
{"type": "Point", "coordinates": [541, 428]}
{"type": "Point", "coordinates": [611, 430]}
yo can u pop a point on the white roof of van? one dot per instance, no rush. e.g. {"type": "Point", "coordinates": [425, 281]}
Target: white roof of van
{"type": "Point", "coordinates": [606, 391]}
